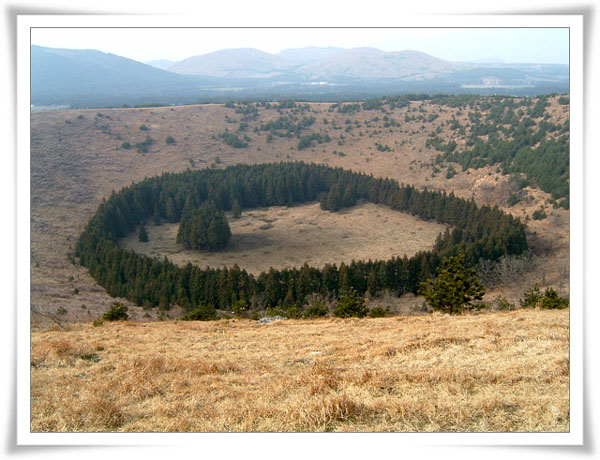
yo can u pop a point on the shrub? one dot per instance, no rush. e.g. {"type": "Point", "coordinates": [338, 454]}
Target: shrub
{"type": "Point", "coordinates": [97, 322]}
{"type": "Point", "coordinates": [117, 312]}
{"type": "Point", "coordinates": [293, 311]}
{"type": "Point", "coordinates": [379, 312]}
{"type": "Point", "coordinates": [233, 140]}
{"type": "Point", "coordinates": [539, 214]}
{"type": "Point", "coordinates": [450, 172]}
{"type": "Point", "coordinates": [350, 304]}
{"type": "Point", "coordinates": [316, 310]}
{"type": "Point", "coordinates": [500, 303]}
{"type": "Point", "coordinates": [126, 145]}
{"type": "Point", "coordinates": [143, 128]}
{"type": "Point", "coordinates": [552, 301]}
{"type": "Point", "coordinates": [513, 199]}
{"type": "Point", "coordinates": [169, 140]}
{"type": "Point", "coordinates": [531, 298]}
{"type": "Point", "coordinates": [240, 308]}
{"type": "Point", "coordinates": [202, 312]}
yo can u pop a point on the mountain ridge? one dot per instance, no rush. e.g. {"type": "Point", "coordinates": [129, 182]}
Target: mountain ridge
{"type": "Point", "coordinates": [92, 78]}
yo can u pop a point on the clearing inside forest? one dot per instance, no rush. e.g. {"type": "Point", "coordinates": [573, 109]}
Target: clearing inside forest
{"type": "Point", "coordinates": [286, 237]}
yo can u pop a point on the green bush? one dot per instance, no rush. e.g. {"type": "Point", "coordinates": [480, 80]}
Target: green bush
{"type": "Point", "coordinates": [501, 303]}
{"type": "Point", "coordinates": [316, 310]}
{"type": "Point", "coordinates": [552, 301]}
{"type": "Point", "coordinates": [169, 140]}
{"type": "Point", "coordinates": [293, 311]}
{"type": "Point", "coordinates": [513, 199]}
{"type": "Point", "coordinates": [202, 312]}
{"type": "Point", "coordinates": [379, 312]}
{"type": "Point", "coordinates": [539, 214]}
{"type": "Point", "coordinates": [240, 308]}
{"type": "Point", "coordinates": [126, 145]}
{"type": "Point", "coordinates": [350, 304]}
{"type": "Point", "coordinates": [117, 312]}
{"type": "Point", "coordinates": [531, 298]}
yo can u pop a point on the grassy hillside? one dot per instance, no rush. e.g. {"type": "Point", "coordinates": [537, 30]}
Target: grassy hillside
{"type": "Point", "coordinates": [78, 158]}
{"type": "Point", "coordinates": [492, 372]}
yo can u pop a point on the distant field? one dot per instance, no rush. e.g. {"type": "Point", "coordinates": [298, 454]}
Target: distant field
{"type": "Point", "coordinates": [506, 372]}
{"type": "Point", "coordinates": [281, 237]}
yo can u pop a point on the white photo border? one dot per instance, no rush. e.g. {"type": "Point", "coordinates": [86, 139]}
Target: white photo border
{"type": "Point", "coordinates": [573, 438]}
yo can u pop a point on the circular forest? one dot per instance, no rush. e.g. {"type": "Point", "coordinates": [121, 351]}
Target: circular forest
{"type": "Point", "coordinates": [199, 199]}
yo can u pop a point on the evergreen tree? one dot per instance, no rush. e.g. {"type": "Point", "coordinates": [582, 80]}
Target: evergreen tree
{"type": "Point", "coordinates": [142, 235]}
{"type": "Point", "coordinates": [236, 210]}
{"type": "Point", "coordinates": [350, 304]}
{"type": "Point", "coordinates": [455, 287]}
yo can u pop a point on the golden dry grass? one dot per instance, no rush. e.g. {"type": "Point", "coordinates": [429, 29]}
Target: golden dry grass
{"type": "Point", "coordinates": [504, 371]}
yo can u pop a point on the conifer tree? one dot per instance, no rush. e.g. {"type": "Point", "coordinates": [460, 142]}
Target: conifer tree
{"type": "Point", "coordinates": [142, 235]}
{"type": "Point", "coordinates": [236, 210]}
{"type": "Point", "coordinates": [455, 287]}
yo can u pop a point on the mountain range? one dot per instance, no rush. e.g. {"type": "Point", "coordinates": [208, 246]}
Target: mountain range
{"type": "Point", "coordinates": [92, 78]}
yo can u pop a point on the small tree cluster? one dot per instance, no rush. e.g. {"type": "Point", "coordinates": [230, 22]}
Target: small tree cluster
{"type": "Point", "coordinates": [550, 300]}
{"type": "Point", "coordinates": [204, 228]}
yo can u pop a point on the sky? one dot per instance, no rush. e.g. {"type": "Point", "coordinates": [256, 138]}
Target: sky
{"type": "Point", "coordinates": [512, 45]}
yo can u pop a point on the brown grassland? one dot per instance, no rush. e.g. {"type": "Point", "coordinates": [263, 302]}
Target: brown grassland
{"type": "Point", "coordinates": [492, 371]}
{"type": "Point", "coordinates": [489, 372]}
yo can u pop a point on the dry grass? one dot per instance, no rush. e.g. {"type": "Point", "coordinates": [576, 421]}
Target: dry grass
{"type": "Point", "coordinates": [489, 372]}
{"type": "Point", "coordinates": [287, 237]}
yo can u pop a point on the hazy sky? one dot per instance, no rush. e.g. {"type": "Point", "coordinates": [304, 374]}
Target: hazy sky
{"type": "Point", "coordinates": [515, 45]}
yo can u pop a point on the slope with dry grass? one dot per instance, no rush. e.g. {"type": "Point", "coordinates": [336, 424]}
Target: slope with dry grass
{"type": "Point", "coordinates": [77, 159]}
{"type": "Point", "coordinates": [488, 372]}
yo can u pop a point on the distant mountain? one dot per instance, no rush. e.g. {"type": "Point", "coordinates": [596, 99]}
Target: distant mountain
{"type": "Point", "coordinates": [233, 63]}
{"type": "Point", "coordinates": [65, 76]}
{"type": "Point", "coordinates": [301, 56]}
{"type": "Point", "coordinates": [371, 63]}
{"type": "Point", "coordinates": [490, 60]}
{"type": "Point", "coordinates": [90, 78]}
{"type": "Point", "coordinates": [163, 64]}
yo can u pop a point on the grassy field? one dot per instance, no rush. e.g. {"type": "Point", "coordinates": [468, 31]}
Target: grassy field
{"type": "Point", "coordinates": [287, 237]}
{"type": "Point", "coordinates": [505, 371]}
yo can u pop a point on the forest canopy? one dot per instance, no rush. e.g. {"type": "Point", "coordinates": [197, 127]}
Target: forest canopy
{"type": "Point", "coordinates": [477, 232]}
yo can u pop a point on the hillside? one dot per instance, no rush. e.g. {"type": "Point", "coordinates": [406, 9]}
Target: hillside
{"type": "Point", "coordinates": [232, 63]}
{"type": "Point", "coordinates": [497, 372]}
{"type": "Point", "coordinates": [78, 158]}
{"type": "Point", "coordinates": [372, 63]}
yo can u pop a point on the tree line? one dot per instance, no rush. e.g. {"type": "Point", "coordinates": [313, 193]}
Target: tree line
{"type": "Point", "coordinates": [477, 232]}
